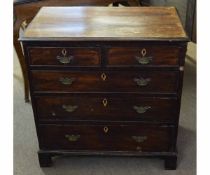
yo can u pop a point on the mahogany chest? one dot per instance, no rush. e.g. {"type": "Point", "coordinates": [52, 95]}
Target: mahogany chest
{"type": "Point", "coordinates": [106, 81]}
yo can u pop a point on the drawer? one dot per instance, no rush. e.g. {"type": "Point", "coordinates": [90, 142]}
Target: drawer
{"type": "Point", "coordinates": [106, 107]}
{"type": "Point", "coordinates": [139, 82]}
{"type": "Point", "coordinates": [60, 56]}
{"type": "Point", "coordinates": [145, 138]}
{"type": "Point", "coordinates": [143, 56]}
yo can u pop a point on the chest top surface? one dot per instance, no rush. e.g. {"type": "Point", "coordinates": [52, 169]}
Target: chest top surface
{"type": "Point", "coordinates": [105, 23]}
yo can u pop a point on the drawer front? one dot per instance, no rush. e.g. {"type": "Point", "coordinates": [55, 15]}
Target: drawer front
{"type": "Point", "coordinates": [143, 56]}
{"type": "Point", "coordinates": [145, 138]}
{"type": "Point", "coordinates": [106, 107]}
{"type": "Point", "coordinates": [64, 56]}
{"type": "Point", "coordinates": [142, 82]}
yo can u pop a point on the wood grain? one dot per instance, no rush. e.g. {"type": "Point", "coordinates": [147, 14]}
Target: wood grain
{"type": "Point", "coordinates": [117, 138]}
{"type": "Point", "coordinates": [25, 10]}
{"type": "Point", "coordinates": [90, 107]}
{"type": "Point", "coordinates": [105, 23]}
{"type": "Point", "coordinates": [127, 56]}
{"type": "Point", "coordinates": [116, 81]}
{"type": "Point", "coordinates": [116, 36]}
{"type": "Point", "coordinates": [80, 56]}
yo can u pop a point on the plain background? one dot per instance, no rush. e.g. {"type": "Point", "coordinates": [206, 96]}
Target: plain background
{"type": "Point", "coordinates": [6, 87]}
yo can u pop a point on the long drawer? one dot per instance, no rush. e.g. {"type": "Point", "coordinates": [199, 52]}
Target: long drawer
{"type": "Point", "coordinates": [105, 107]}
{"type": "Point", "coordinates": [113, 81]}
{"type": "Point", "coordinates": [145, 138]}
{"type": "Point", "coordinates": [70, 56]}
{"type": "Point", "coordinates": [143, 56]}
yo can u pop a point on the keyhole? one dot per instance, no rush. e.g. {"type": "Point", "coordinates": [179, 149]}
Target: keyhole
{"type": "Point", "coordinates": [103, 76]}
{"type": "Point", "coordinates": [106, 129]}
{"type": "Point", "coordinates": [64, 52]}
{"type": "Point", "coordinates": [143, 52]}
{"type": "Point", "coordinates": [105, 102]}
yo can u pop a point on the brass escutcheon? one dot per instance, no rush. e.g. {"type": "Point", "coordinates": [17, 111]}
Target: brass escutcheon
{"type": "Point", "coordinates": [105, 102]}
{"type": "Point", "coordinates": [143, 59]}
{"type": "Point", "coordinates": [64, 59]}
{"type": "Point", "coordinates": [143, 52]}
{"type": "Point", "coordinates": [64, 52]}
{"type": "Point", "coordinates": [103, 76]}
{"type": "Point", "coordinates": [106, 129]}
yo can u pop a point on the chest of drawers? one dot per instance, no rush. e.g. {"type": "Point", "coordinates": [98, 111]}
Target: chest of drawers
{"type": "Point", "coordinates": [106, 81]}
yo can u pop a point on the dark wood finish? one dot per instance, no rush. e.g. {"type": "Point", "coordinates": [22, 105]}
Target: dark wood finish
{"type": "Point", "coordinates": [116, 81]}
{"type": "Point", "coordinates": [159, 55]}
{"type": "Point", "coordinates": [45, 160]}
{"type": "Point", "coordinates": [46, 25]}
{"type": "Point", "coordinates": [25, 10]}
{"type": "Point", "coordinates": [171, 162]}
{"type": "Point", "coordinates": [53, 55]}
{"type": "Point", "coordinates": [145, 138]}
{"type": "Point", "coordinates": [91, 107]}
{"type": "Point", "coordinates": [88, 108]}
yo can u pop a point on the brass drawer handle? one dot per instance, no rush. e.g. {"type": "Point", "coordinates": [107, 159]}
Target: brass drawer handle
{"type": "Point", "coordinates": [139, 139]}
{"type": "Point", "coordinates": [53, 114]}
{"type": "Point", "coordinates": [65, 59]}
{"type": "Point", "coordinates": [72, 138]}
{"type": "Point", "coordinates": [141, 109]}
{"type": "Point", "coordinates": [143, 59]}
{"type": "Point", "coordinates": [69, 108]}
{"type": "Point", "coordinates": [66, 81]}
{"type": "Point", "coordinates": [106, 129]}
{"type": "Point", "coordinates": [138, 148]}
{"type": "Point", "coordinates": [105, 102]}
{"type": "Point", "coordinates": [142, 81]}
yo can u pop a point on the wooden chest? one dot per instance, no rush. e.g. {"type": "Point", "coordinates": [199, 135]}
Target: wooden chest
{"type": "Point", "coordinates": [106, 81]}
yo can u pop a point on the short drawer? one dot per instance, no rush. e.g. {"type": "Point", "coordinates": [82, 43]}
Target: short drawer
{"type": "Point", "coordinates": [143, 56]}
{"type": "Point", "coordinates": [143, 138]}
{"type": "Point", "coordinates": [140, 82]}
{"type": "Point", "coordinates": [106, 107]}
{"type": "Point", "coordinates": [60, 56]}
